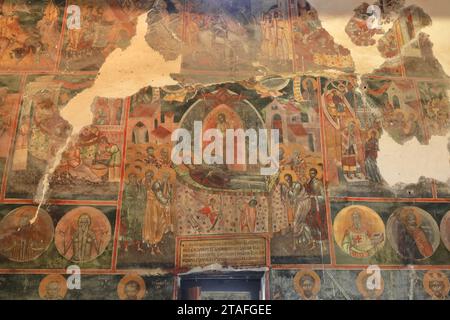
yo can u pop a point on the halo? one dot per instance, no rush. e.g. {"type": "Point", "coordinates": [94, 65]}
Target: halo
{"type": "Point", "coordinates": [370, 220]}
{"type": "Point", "coordinates": [300, 275]}
{"type": "Point", "coordinates": [361, 284]}
{"type": "Point", "coordinates": [374, 131]}
{"type": "Point", "coordinates": [133, 169]}
{"type": "Point", "coordinates": [148, 168]}
{"type": "Point", "coordinates": [286, 149]}
{"type": "Point", "coordinates": [435, 275]}
{"type": "Point", "coordinates": [305, 82]}
{"type": "Point", "coordinates": [402, 215]}
{"type": "Point", "coordinates": [53, 278]}
{"type": "Point", "coordinates": [67, 225]}
{"type": "Point", "coordinates": [123, 282]}
{"type": "Point", "coordinates": [132, 153]}
{"type": "Point", "coordinates": [288, 172]}
{"type": "Point", "coordinates": [160, 148]}
{"type": "Point", "coordinates": [315, 163]}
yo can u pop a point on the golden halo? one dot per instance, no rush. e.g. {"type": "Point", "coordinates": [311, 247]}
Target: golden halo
{"type": "Point", "coordinates": [305, 82]}
{"type": "Point", "coordinates": [135, 153]}
{"type": "Point", "coordinates": [286, 172]}
{"type": "Point", "coordinates": [312, 274]}
{"type": "Point", "coordinates": [125, 280]}
{"type": "Point", "coordinates": [53, 278]}
{"type": "Point", "coordinates": [160, 148]}
{"type": "Point", "coordinates": [432, 275]}
{"type": "Point", "coordinates": [286, 149]}
{"type": "Point", "coordinates": [371, 131]}
{"type": "Point", "coordinates": [68, 224]}
{"type": "Point", "coordinates": [148, 145]}
{"type": "Point", "coordinates": [370, 221]}
{"type": "Point", "coordinates": [361, 284]}
{"type": "Point", "coordinates": [148, 168]}
{"type": "Point", "coordinates": [315, 163]}
{"type": "Point", "coordinates": [136, 170]}
{"type": "Point", "coordinates": [402, 215]}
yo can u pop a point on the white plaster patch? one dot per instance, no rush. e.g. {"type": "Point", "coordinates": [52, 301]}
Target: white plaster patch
{"type": "Point", "coordinates": [124, 73]}
{"type": "Point", "coordinates": [408, 162]}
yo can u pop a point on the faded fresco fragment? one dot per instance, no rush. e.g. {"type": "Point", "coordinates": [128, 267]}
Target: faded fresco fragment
{"type": "Point", "coordinates": [31, 33]}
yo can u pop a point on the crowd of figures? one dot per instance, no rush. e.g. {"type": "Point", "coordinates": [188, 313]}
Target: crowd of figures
{"type": "Point", "coordinates": [147, 201]}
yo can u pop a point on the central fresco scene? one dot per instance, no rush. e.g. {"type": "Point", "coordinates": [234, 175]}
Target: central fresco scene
{"type": "Point", "coordinates": [150, 148]}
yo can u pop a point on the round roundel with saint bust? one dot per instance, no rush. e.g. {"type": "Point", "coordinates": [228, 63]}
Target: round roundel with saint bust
{"type": "Point", "coordinates": [83, 234]}
{"type": "Point", "coordinates": [27, 233]}
{"type": "Point", "coordinates": [413, 233]}
{"type": "Point", "coordinates": [131, 287]}
{"type": "Point", "coordinates": [307, 283]}
{"type": "Point", "coordinates": [436, 284]}
{"type": "Point", "coordinates": [53, 287]}
{"type": "Point", "coordinates": [445, 230]}
{"type": "Point", "coordinates": [359, 231]}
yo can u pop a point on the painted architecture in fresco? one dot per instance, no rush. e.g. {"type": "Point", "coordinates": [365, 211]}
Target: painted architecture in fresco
{"type": "Point", "coordinates": [120, 209]}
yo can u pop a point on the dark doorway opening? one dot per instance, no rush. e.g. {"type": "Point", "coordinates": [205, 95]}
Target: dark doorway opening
{"type": "Point", "coordinates": [222, 286]}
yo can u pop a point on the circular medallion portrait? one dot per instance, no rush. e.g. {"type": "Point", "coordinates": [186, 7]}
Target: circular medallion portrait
{"type": "Point", "coordinates": [25, 235]}
{"type": "Point", "coordinates": [82, 234]}
{"type": "Point", "coordinates": [369, 285]}
{"type": "Point", "coordinates": [53, 287]}
{"type": "Point", "coordinates": [359, 231]}
{"type": "Point", "coordinates": [131, 287]}
{"type": "Point", "coordinates": [413, 233]}
{"type": "Point", "coordinates": [307, 284]}
{"type": "Point", "coordinates": [436, 284]}
{"type": "Point", "coordinates": [445, 230]}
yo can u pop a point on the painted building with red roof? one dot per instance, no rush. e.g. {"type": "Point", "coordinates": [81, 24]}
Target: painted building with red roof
{"type": "Point", "coordinates": [297, 123]}
{"type": "Point", "coordinates": [148, 124]}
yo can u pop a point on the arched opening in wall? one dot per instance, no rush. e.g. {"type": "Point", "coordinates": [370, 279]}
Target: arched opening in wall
{"type": "Point", "coordinates": [396, 102]}
{"type": "Point", "coordinates": [277, 123]}
{"type": "Point", "coordinates": [140, 134]}
{"type": "Point", "coordinates": [239, 285]}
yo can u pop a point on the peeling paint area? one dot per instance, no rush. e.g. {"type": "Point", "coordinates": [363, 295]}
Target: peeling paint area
{"type": "Point", "coordinates": [97, 99]}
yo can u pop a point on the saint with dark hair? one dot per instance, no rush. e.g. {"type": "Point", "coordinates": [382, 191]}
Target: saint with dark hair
{"type": "Point", "coordinates": [413, 241]}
